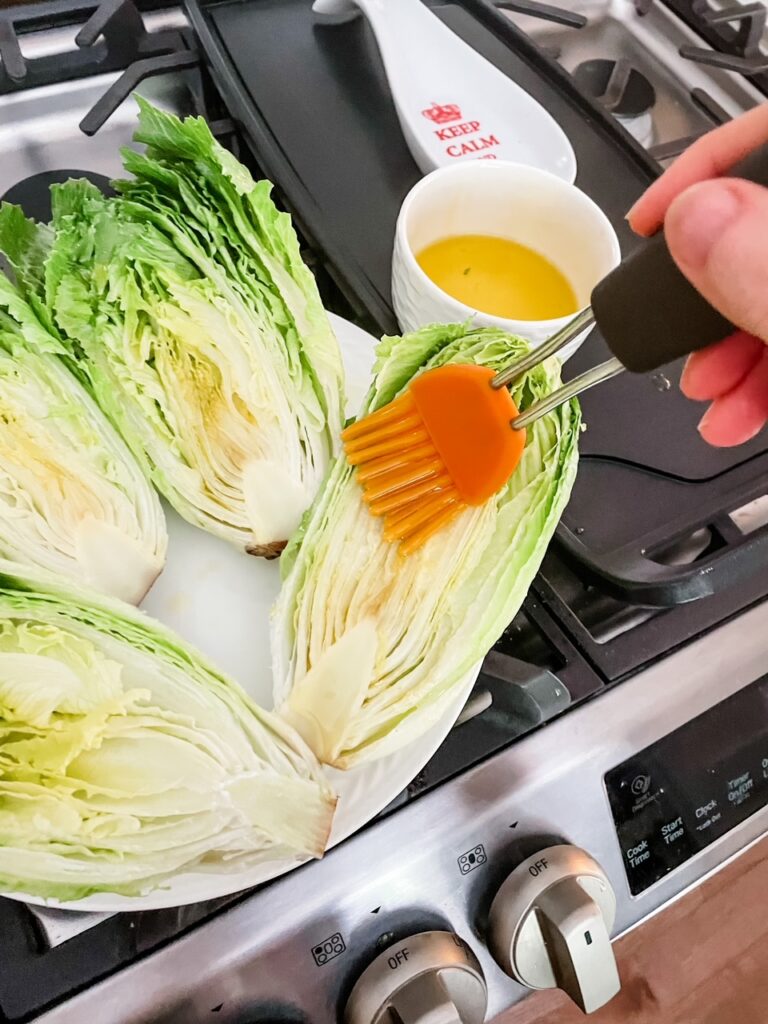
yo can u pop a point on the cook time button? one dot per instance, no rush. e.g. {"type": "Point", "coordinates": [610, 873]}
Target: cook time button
{"type": "Point", "coordinates": [638, 855]}
{"type": "Point", "coordinates": [643, 864]}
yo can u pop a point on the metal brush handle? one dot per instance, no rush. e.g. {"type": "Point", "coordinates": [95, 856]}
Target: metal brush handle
{"type": "Point", "coordinates": [586, 380]}
{"type": "Point", "coordinates": [551, 347]}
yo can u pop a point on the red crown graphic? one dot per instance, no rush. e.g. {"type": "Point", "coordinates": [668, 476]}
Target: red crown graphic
{"type": "Point", "coordinates": [443, 113]}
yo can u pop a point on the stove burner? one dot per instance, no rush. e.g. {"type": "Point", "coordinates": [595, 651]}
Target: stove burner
{"type": "Point", "coordinates": [620, 88]}
{"type": "Point", "coordinates": [33, 195]}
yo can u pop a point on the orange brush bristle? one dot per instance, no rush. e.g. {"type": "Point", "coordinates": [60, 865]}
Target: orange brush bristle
{"type": "Point", "coordinates": [443, 445]}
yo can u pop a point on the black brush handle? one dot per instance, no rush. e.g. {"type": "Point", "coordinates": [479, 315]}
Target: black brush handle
{"type": "Point", "coordinates": [647, 310]}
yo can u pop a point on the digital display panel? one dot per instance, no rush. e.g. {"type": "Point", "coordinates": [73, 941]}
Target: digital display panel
{"type": "Point", "coordinates": [683, 792]}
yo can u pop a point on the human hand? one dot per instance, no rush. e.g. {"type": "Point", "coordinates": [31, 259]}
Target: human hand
{"type": "Point", "coordinates": [717, 232]}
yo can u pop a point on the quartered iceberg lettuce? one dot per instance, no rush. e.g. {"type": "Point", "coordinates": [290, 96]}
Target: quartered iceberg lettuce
{"type": "Point", "coordinates": [369, 644]}
{"type": "Point", "coordinates": [125, 757]}
{"type": "Point", "coordinates": [200, 331]}
{"type": "Point", "coordinates": [72, 497]}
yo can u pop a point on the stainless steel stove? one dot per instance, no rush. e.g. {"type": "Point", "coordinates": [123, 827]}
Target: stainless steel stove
{"type": "Point", "coordinates": [617, 739]}
{"type": "Point", "coordinates": [292, 951]}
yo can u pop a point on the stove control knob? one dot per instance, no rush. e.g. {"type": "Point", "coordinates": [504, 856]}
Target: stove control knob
{"type": "Point", "coordinates": [550, 926]}
{"type": "Point", "coordinates": [430, 978]}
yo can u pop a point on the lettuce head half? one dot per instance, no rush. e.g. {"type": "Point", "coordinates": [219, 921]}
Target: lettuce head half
{"type": "Point", "coordinates": [72, 497]}
{"type": "Point", "coordinates": [368, 645]}
{"type": "Point", "coordinates": [186, 305]}
{"type": "Point", "coordinates": [126, 757]}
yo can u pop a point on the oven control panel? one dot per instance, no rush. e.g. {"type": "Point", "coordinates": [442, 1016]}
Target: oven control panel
{"type": "Point", "coordinates": [679, 795]}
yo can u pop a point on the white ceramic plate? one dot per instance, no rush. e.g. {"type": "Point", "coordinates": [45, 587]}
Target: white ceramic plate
{"type": "Point", "coordinates": [220, 599]}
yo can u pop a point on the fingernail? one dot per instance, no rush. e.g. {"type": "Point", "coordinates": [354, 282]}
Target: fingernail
{"type": "Point", "coordinates": [698, 217]}
{"type": "Point", "coordinates": [685, 378]}
{"type": "Point", "coordinates": [629, 215]}
{"type": "Point", "coordinates": [704, 421]}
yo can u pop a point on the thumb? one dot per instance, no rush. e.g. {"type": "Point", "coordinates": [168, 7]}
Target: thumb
{"type": "Point", "coordinates": [717, 233]}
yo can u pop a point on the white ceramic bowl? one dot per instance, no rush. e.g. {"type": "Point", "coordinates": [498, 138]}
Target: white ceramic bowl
{"type": "Point", "coordinates": [506, 200]}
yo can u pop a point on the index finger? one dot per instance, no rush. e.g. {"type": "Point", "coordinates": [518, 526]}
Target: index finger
{"type": "Point", "coordinates": [709, 157]}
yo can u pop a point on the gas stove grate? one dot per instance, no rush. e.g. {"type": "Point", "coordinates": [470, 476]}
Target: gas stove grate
{"type": "Point", "coordinates": [112, 37]}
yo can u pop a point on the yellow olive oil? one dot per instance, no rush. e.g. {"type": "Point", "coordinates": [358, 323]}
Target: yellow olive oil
{"type": "Point", "coordinates": [499, 277]}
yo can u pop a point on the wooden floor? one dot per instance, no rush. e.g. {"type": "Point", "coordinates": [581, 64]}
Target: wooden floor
{"type": "Point", "coordinates": [702, 961]}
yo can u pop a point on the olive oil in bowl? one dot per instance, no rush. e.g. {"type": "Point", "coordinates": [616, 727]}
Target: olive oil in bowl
{"type": "Point", "coordinates": [499, 277]}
